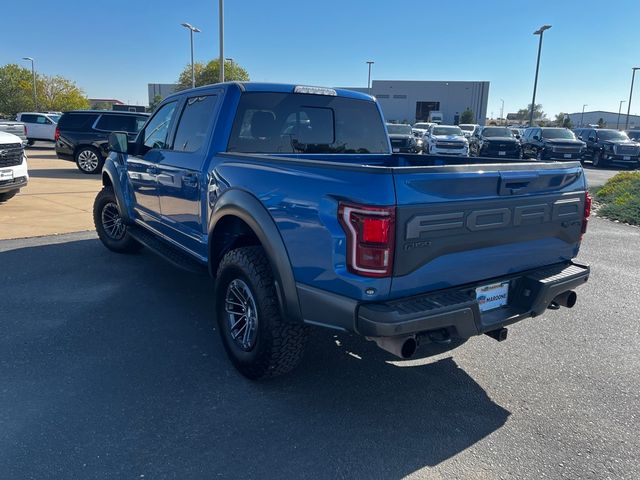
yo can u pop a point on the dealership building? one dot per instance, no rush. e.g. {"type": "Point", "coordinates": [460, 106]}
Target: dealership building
{"type": "Point", "coordinates": [611, 119]}
{"type": "Point", "coordinates": [412, 100]}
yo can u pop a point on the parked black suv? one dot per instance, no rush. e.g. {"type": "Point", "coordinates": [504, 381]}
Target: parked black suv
{"type": "Point", "coordinates": [82, 135]}
{"type": "Point", "coordinates": [402, 139]}
{"type": "Point", "coordinates": [551, 143]}
{"type": "Point", "coordinates": [608, 146]}
{"type": "Point", "coordinates": [494, 142]}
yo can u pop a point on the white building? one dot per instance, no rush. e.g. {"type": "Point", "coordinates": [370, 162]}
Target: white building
{"type": "Point", "coordinates": [412, 100]}
{"type": "Point", "coordinates": [161, 89]}
{"type": "Point", "coordinates": [610, 119]}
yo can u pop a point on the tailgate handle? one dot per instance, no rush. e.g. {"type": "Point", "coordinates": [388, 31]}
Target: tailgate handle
{"type": "Point", "coordinates": [514, 184]}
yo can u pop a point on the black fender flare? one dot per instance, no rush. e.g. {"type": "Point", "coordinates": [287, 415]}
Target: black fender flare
{"type": "Point", "coordinates": [250, 210]}
{"type": "Point", "coordinates": [110, 171]}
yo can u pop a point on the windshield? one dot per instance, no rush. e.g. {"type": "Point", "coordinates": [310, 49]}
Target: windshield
{"type": "Point", "coordinates": [446, 131]}
{"type": "Point", "coordinates": [298, 123]}
{"type": "Point", "coordinates": [468, 128]}
{"type": "Point", "coordinates": [496, 132]}
{"type": "Point", "coordinates": [634, 134]}
{"type": "Point", "coordinates": [612, 135]}
{"type": "Point", "coordinates": [398, 129]}
{"type": "Point", "coordinates": [558, 133]}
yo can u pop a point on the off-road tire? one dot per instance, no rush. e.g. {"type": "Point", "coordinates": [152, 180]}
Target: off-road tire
{"type": "Point", "coordinates": [125, 244]}
{"type": "Point", "coordinates": [279, 345]}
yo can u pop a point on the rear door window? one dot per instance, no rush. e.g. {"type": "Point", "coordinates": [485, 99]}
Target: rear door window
{"type": "Point", "coordinates": [118, 123]}
{"type": "Point", "coordinates": [28, 118]}
{"type": "Point", "coordinates": [74, 122]}
{"type": "Point", "coordinates": [194, 124]}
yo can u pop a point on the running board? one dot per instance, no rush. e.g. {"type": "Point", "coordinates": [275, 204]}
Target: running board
{"type": "Point", "coordinates": [167, 251]}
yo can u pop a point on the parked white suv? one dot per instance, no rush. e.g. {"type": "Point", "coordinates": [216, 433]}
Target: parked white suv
{"type": "Point", "coordinates": [40, 126]}
{"type": "Point", "coordinates": [13, 166]}
{"type": "Point", "coordinates": [446, 140]}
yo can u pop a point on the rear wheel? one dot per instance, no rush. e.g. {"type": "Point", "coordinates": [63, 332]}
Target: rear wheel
{"type": "Point", "coordinates": [89, 160]}
{"type": "Point", "coordinates": [110, 225]}
{"type": "Point", "coordinates": [257, 339]}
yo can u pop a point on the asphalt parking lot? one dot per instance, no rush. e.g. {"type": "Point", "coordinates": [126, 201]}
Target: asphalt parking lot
{"type": "Point", "coordinates": [111, 368]}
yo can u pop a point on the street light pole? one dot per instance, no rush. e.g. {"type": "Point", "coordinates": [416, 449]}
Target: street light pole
{"type": "Point", "coordinates": [619, 111]}
{"type": "Point", "coordinates": [221, 16]}
{"type": "Point", "coordinates": [540, 32]}
{"type": "Point", "coordinates": [582, 116]}
{"type": "Point", "coordinates": [633, 77]}
{"type": "Point", "coordinates": [33, 72]}
{"type": "Point", "coordinates": [502, 111]}
{"type": "Point", "coordinates": [192, 29]}
{"type": "Point", "coordinates": [369, 62]}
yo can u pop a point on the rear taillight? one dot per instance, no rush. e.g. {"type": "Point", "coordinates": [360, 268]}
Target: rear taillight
{"type": "Point", "coordinates": [370, 238]}
{"type": "Point", "coordinates": [57, 134]}
{"type": "Point", "coordinates": [587, 213]}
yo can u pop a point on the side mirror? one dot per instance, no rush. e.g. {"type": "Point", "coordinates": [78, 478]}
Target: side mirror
{"type": "Point", "coordinates": [592, 139]}
{"type": "Point", "coordinates": [517, 136]}
{"type": "Point", "coordinates": [536, 137]}
{"type": "Point", "coordinates": [118, 142]}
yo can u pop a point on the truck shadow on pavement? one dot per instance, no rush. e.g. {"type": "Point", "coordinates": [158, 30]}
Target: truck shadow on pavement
{"type": "Point", "coordinates": [111, 369]}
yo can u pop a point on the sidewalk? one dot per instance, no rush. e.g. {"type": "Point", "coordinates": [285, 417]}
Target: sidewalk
{"type": "Point", "coordinates": [58, 198]}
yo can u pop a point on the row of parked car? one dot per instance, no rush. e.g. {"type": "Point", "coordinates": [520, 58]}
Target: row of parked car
{"type": "Point", "coordinates": [599, 145]}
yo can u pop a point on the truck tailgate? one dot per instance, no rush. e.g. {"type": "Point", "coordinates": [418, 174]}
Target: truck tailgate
{"type": "Point", "coordinates": [469, 223]}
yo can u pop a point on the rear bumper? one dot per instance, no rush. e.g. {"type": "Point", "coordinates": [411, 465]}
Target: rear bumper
{"type": "Point", "coordinates": [455, 309]}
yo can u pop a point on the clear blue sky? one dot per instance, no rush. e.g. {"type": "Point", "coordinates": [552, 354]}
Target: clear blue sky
{"type": "Point", "coordinates": [113, 48]}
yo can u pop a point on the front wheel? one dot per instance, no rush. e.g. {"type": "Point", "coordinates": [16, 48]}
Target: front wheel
{"type": "Point", "coordinates": [597, 159]}
{"type": "Point", "coordinates": [110, 225]}
{"type": "Point", "coordinates": [89, 160]}
{"type": "Point", "coordinates": [7, 195]}
{"type": "Point", "coordinates": [257, 339]}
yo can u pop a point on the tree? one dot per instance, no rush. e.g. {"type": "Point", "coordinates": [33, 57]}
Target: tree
{"type": "Point", "coordinates": [601, 123]}
{"type": "Point", "coordinates": [467, 116]}
{"type": "Point", "coordinates": [563, 120]}
{"type": "Point", "coordinates": [60, 94]}
{"type": "Point", "coordinates": [154, 103]}
{"type": "Point", "coordinates": [16, 94]}
{"type": "Point", "coordinates": [524, 113]}
{"type": "Point", "coordinates": [210, 73]}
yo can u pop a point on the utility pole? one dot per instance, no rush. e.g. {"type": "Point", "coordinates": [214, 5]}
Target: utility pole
{"type": "Point", "coordinates": [582, 116]}
{"type": "Point", "coordinates": [540, 32]}
{"type": "Point", "coordinates": [221, 8]}
{"type": "Point", "coordinates": [192, 29]}
{"type": "Point", "coordinates": [619, 111]}
{"type": "Point", "coordinates": [633, 77]}
{"type": "Point", "coordinates": [502, 112]}
{"type": "Point", "coordinates": [369, 62]}
{"type": "Point", "coordinates": [33, 72]}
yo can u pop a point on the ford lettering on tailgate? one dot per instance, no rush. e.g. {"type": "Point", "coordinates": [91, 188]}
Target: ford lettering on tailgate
{"type": "Point", "coordinates": [429, 231]}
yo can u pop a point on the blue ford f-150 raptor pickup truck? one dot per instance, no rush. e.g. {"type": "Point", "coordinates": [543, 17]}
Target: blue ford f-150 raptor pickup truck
{"type": "Point", "coordinates": [291, 198]}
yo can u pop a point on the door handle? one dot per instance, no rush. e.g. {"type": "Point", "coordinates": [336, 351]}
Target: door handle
{"type": "Point", "coordinates": [190, 179]}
